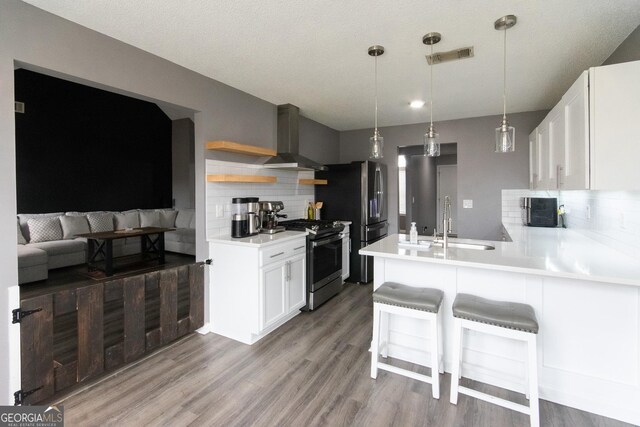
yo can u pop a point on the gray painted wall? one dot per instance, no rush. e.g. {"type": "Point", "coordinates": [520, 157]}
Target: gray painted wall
{"type": "Point", "coordinates": [482, 174]}
{"type": "Point", "coordinates": [629, 49]}
{"type": "Point", "coordinates": [182, 163]}
{"type": "Point", "coordinates": [319, 142]}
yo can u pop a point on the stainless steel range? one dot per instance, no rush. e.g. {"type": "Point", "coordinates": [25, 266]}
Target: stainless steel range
{"type": "Point", "coordinates": [324, 258]}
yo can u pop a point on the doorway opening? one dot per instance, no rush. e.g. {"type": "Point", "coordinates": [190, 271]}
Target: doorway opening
{"type": "Point", "coordinates": [423, 182]}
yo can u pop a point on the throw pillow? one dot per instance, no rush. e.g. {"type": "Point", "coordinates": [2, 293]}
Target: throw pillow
{"type": "Point", "coordinates": [44, 229]}
{"type": "Point", "coordinates": [168, 219]}
{"type": "Point", "coordinates": [183, 220]}
{"type": "Point", "coordinates": [100, 222]}
{"type": "Point", "coordinates": [72, 225]}
{"type": "Point", "coordinates": [149, 219]}
{"type": "Point", "coordinates": [127, 220]}
{"type": "Point", "coordinates": [21, 239]}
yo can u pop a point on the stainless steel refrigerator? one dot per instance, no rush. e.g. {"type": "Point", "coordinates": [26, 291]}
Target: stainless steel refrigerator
{"type": "Point", "coordinates": [357, 192]}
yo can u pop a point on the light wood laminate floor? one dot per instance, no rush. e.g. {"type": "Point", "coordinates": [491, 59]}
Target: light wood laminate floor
{"type": "Point", "coordinates": [315, 370]}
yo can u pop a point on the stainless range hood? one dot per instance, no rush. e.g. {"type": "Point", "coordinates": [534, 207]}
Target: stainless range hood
{"type": "Point", "coordinates": [288, 156]}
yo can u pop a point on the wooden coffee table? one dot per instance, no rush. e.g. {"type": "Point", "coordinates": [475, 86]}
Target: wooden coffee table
{"type": "Point", "coordinates": [102, 243]}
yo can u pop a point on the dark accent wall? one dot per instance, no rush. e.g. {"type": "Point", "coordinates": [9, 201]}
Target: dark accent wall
{"type": "Point", "coordinates": [83, 149]}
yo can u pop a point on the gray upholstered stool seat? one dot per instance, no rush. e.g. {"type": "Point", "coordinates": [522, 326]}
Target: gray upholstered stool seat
{"type": "Point", "coordinates": [424, 299]}
{"type": "Point", "coordinates": [394, 299]}
{"type": "Point", "coordinates": [511, 315]}
{"type": "Point", "coordinates": [511, 320]}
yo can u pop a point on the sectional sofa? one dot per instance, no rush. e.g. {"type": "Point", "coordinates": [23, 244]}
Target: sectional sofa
{"type": "Point", "coordinates": [47, 241]}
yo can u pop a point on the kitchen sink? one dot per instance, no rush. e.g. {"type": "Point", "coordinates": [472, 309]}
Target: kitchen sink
{"type": "Point", "coordinates": [426, 244]}
{"type": "Point", "coordinates": [476, 246]}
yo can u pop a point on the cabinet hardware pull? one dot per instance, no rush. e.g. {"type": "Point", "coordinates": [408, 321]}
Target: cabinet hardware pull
{"type": "Point", "coordinates": [278, 254]}
{"type": "Point", "coordinates": [299, 247]}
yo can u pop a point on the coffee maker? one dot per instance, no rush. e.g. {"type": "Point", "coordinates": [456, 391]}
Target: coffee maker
{"type": "Point", "coordinates": [269, 217]}
{"type": "Point", "coordinates": [253, 216]}
{"type": "Point", "coordinates": [239, 217]}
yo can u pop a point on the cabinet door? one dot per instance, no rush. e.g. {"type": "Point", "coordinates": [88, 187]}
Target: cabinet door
{"type": "Point", "coordinates": [297, 284]}
{"type": "Point", "coordinates": [615, 126]}
{"type": "Point", "coordinates": [534, 177]}
{"type": "Point", "coordinates": [576, 141]}
{"type": "Point", "coordinates": [346, 249]}
{"type": "Point", "coordinates": [544, 181]}
{"type": "Point", "coordinates": [272, 294]}
{"type": "Point", "coordinates": [556, 147]}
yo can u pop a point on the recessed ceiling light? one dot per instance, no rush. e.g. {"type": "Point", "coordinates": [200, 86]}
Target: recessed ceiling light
{"type": "Point", "coordinates": [416, 104]}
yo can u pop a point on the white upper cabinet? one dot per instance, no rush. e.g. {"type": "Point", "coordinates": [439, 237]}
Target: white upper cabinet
{"type": "Point", "coordinates": [615, 126]}
{"type": "Point", "coordinates": [576, 142]}
{"type": "Point", "coordinates": [534, 161]}
{"type": "Point", "coordinates": [591, 138]}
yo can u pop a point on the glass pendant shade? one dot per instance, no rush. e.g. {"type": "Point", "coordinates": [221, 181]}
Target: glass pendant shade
{"type": "Point", "coordinates": [376, 146]}
{"type": "Point", "coordinates": [431, 144]}
{"type": "Point", "coordinates": [505, 138]}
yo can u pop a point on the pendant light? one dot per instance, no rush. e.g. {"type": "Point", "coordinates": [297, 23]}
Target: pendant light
{"type": "Point", "coordinates": [505, 134]}
{"type": "Point", "coordinates": [431, 143]}
{"type": "Point", "coordinates": [376, 142]}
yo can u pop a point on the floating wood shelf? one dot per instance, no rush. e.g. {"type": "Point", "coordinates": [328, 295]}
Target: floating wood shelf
{"type": "Point", "coordinates": [313, 182]}
{"type": "Point", "coordinates": [242, 178]}
{"type": "Point", "coordinates": [234, 147]}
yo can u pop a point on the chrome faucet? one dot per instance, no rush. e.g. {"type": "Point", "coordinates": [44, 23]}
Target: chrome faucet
{"type": "Point", "coordinates": [447, 224]}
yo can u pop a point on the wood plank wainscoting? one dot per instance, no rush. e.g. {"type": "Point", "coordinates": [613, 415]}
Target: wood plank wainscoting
{"type": "Point", "coordinates": [81, 331]}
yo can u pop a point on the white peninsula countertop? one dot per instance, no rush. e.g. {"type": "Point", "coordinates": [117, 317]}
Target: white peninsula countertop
{"type": "Point", "coordinates": [554, 252]}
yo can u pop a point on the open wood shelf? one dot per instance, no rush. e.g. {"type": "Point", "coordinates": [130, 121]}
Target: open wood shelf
{"type": "Point", "coordinates": [234, 147]}
{"type": "Point", "coordinates": [242, 178]}
{"type": "Point", "coordinates": [313, 182]}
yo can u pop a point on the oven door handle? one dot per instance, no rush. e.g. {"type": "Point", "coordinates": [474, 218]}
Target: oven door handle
{"type": "Point", "coordinates": [331, 239]}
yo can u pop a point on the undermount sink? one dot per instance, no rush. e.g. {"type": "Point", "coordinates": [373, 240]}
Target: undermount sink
{"type": "Point", "coordinates": [476, 246]}
{"type": "Point", "coordinates": [426, 244]}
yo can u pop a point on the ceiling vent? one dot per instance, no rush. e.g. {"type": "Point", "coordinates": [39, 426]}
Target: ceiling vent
{"type": "Point", "coordinates": [452, 55]}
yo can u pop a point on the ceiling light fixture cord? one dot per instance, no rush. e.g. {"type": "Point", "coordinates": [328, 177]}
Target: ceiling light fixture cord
{"type": "Point", "coordinates": [376, 91]}
{"type": "Point", "coordinates": [431, 86]}
{"type": "Point", "coordinates": [504, 87]}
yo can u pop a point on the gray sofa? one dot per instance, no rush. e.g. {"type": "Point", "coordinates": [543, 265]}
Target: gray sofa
{"type": "Point", "coordinates": [47, 241]}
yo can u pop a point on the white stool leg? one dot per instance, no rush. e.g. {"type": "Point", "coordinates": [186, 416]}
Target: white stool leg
{"type": "Point", "coordinates": [533, 381]}
{"type": "Point", "coordinates": [440, 344]}
{"type": "Point", "coordinates": [455, 373]}
{"type": "Point", "coordinates": [375, 342]}
{"type": "Point", "coordinates": [435, 357]}
{"type": "Point", "coordinates": [384, 332]}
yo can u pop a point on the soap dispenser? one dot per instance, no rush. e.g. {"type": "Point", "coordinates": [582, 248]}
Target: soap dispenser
{"type": "Point", "coordinates": [413, 234]}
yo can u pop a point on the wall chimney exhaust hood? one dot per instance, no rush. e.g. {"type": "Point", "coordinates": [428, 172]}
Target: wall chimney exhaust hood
{"type": "Point", "coordinates": [288, 156]}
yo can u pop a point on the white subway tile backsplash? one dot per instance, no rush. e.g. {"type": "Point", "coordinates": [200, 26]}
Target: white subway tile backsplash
{"type": "Point", "coordinates": [614, 221]}
{"type": "Point", "coordinates": [294, 196]}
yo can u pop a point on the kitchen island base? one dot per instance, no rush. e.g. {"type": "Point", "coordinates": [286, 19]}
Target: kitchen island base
{"type": "Point", "coordinates": [588, 344]}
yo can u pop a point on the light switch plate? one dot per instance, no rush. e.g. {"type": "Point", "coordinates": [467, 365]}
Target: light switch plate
{"type": "Point", "coordinates": [467, 204]}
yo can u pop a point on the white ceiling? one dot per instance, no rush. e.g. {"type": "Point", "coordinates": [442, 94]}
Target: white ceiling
{"type": "Point", "coordinates": [314, 53]}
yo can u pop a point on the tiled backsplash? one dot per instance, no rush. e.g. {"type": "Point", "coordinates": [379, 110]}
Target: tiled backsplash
{"type": "Point", "coordinates": [287, 190]}
{"type": "Point", "coordinates": [609, 217]}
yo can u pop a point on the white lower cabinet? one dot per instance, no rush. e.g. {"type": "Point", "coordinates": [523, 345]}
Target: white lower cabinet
{"type": "Point", "coordinates": [253, 289]}
{"type": "Point", "coordinates": [282, 290]}
{"type": "Point", "coordinates": [346, 252]}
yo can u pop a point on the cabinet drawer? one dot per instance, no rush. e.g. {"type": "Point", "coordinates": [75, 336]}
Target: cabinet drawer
{"type": "Point", "coordinates": [281, 252]}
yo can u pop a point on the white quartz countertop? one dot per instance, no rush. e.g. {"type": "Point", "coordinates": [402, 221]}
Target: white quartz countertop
{"type": "Point", "coordinates": [260, 240]}
{"type": "Point", "coordinates": [554, 252]}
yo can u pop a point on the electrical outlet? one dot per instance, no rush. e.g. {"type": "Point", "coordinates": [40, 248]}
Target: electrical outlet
{"type": "Point", "coordinates": [219, 211]}
{"type": "Point", "coordinates": [467, 204]}
{"type": "Point", "coordinates": [588, 212]}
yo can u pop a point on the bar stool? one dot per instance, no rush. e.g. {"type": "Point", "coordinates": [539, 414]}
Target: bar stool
{"type": "Point", "coordinates": [505, 319]}
{"type": "Point", "coordinates": [420, 303]}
